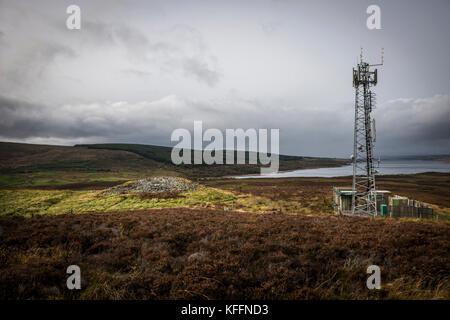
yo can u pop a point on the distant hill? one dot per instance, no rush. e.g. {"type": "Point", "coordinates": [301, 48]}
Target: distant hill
{"type": "Point", "coordinates": [157, 153]}
{"type": "Point", "coordinates": [31, 164]}
{"type": "Point", "coordinates": [163, 155]}
{"type": "Point", "coordinates": [33, 157]}
{"type": "Point", "coordinates": [434, 157]}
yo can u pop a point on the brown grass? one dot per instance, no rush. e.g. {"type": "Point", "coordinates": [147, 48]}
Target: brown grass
{"type": "Point", "coordinates": [316, 193]}
{"type": "Point", "coordinates": [159, 195]}
{"type": "Point", "coordinates": [215, 254]}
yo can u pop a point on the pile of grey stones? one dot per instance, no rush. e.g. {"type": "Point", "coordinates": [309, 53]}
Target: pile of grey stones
{"type": "Point", "coordinates": [152, 185]}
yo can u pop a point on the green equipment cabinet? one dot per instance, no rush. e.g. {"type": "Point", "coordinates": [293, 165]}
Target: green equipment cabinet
{"type": "Point", "coordinates": [383, 210]}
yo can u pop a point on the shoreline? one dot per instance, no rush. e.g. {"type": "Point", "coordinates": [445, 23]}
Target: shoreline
{"type": "Point", "coordinates": [280, 171]}
{"type": "Point", "coordinates": [268, 176]}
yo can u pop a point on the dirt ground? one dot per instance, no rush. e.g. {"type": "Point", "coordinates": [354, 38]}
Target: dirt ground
{"type": "Point", "coordinates": [214, 254]}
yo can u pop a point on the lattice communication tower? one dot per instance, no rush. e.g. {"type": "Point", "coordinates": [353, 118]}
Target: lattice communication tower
{"type": "Point", "coordinates": [364, 200]}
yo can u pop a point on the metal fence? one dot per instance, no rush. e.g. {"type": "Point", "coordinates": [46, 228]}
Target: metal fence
{"type": "Point", "coordinates": [410, 212]}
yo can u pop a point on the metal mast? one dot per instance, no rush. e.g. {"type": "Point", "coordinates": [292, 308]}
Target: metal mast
{"type": "Point", "coordinates": [364, 200]}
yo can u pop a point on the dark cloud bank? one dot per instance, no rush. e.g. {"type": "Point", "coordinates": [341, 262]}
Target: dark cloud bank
{"type": "Point", "coordinates": [136, 75]}
{"type": "Point", "coordinates": [404, 126]}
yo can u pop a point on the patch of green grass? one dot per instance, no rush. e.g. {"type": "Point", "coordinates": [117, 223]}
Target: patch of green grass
{"type": "Point", "coordinates": [32, 179]}
{"type": "Point", "coordinates": [44, 178]}
{"type": "Point", "coordinates": [9, 180]}
{"type": "Point", "coordinates": [52, 202]}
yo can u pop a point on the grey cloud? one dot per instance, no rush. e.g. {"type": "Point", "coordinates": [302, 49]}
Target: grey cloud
{"type": "Point", "coordinates": [33, 46]}
{"type": "Point", "coordinates": [310, 131]}
{"type": "Point", "coordinates": [415, 125]}
{"type": "Point", "coordinates": [107, 120]}
{"type": "Point", "coordinates": [33, 62]}
{"type": "Point", "coordinates": [270, 27]}
{"type": "Point", "coordinates": [115, 34]}
{"type": "Point", "coordinates": [211, 61]}
{"type": "Point", "coordinates": [201, 71]}
{"type": "Point", "coordinates": [26, 50]}
{"type": "Point", "coordinates": [21, 119]}
{"type": "Point", "coordinates": [100, 33]}
{"type": "Point", "coordinates": [137, 73]}
{"type": "Point", "coordinates": [181, 46]}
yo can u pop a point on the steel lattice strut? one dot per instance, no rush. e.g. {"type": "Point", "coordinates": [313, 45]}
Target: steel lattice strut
{"type": "Point", "coordinates": [364, 192]}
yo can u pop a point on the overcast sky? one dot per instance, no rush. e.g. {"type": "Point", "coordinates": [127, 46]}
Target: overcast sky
{"type": "Point", "coordinates": [137, 70]}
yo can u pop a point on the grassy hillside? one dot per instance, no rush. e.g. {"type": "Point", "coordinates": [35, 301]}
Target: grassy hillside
{"type": "Point", "coordinates": [43, 165]}
{"type": "Point", "coordinates": [20, 157]}
{"type": "Point", "coordinates": [163, 155]}
{"type": "Point", "coordinates": [156, 153]}
{"type": "Point", "coordinates": [38, 165]}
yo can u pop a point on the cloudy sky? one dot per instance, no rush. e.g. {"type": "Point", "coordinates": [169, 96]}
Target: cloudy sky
{"type": "Point", "coordinates": [137, 70]}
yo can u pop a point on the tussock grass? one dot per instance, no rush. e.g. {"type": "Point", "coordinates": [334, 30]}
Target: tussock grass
{"type": "Point", "coordinates": [52, 202]}
{"type": "Point", "coordinates": [181, 253]}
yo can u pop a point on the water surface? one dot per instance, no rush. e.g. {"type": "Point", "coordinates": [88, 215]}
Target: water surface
{"type": "Point", "coordinates": [386, 167]}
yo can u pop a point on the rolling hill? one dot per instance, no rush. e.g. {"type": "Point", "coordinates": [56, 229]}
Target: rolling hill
{"type": "Point", "coordinates": [38, 165]}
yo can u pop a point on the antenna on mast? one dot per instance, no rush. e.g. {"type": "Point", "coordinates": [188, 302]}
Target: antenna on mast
{"type": "Point", "coordinates": [364, 194]}
{"type": "Point", "coordinates": [382, 59]}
